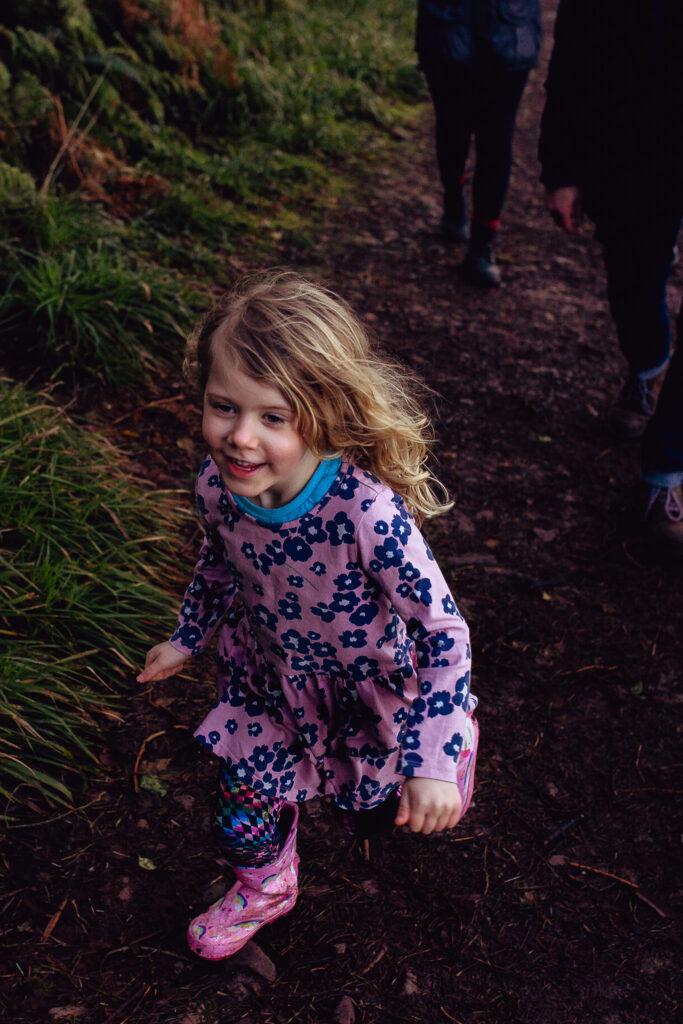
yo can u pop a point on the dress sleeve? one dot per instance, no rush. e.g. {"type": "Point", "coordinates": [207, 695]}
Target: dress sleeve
{"type": "Point", "coordinates": [211, 591]}
{"type": "Point", "coordinates": [396, 556]}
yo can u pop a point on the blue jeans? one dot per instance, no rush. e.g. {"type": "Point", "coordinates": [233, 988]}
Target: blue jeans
{"type": "Point", "coordinates": [638, 229]}
{"type": "Point", "coordinates": [662, 450]}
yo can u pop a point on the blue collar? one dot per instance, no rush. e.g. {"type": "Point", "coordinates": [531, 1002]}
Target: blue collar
{"type": "Point", "coordinates": [316, 488]}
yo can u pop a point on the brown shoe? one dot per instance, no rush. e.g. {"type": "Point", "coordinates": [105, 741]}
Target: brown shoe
{"type": "Point", "coordinates": [662, 513]}
{"type": "Point", "coordinates": [630, 414]}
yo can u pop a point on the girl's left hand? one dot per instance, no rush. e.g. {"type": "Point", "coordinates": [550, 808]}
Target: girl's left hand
{"type": "Point", "coordinates": [429, 805]}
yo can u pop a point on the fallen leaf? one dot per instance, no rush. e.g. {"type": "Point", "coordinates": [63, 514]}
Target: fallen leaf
{"type": "Point", "coordinates": [370, 887]}
{"type": "Point", "coordinates": [253, 957]}
{"type": "Point", "coordinates": [153, 784]}
{"type": "Point", "coordinates": [545, 535]}
{"type": "Point", "coordinates": [146, 864]}
{"type": "Point", "coordinates": [346, 1011]}
{"type": "Point", "coordinates": [410, 986]}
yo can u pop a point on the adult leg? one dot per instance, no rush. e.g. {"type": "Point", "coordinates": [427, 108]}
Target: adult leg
{"type": "Point", "coordinates": [662, 453]}
{"type": "Point", "coordinates": [450, 86]}
{"type": "Point", "coordinates": [498, 95]}
{"type": "Point", "coordinates": [638, 227]}
{"type": "Point", "coordinates": [662, 457]}
{"type": "Point", "coordinates": [638, 253]}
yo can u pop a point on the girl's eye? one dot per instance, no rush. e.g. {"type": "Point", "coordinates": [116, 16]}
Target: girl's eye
{"type": "Point", "coordinates": [272, 418]}
{"type": "Point", "coordinates": [223, 407]}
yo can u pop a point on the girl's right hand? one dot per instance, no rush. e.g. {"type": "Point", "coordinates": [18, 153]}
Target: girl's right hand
{"type": "Point", "coordinates": [161, 662]}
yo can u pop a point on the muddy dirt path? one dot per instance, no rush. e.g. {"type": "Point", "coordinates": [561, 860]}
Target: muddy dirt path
{"type": "Point", "coordinates": [557, 901]}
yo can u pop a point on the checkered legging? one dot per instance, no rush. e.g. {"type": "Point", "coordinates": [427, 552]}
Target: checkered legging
{"type": "Point", "coordinates": [247, 821]}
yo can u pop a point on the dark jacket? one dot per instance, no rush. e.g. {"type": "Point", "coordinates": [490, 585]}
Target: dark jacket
{"type": "Point", "coordinates": [471, 31]}
{"type": "Point", "coordinates": [613, 116]}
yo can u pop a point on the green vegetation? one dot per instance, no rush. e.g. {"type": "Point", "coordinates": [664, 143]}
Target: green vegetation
{"type": "Point", "coordinates": [85, 558]}
{"type": "Point", "coordinates": [83, 310]}
{"type": "Point", "coordinates": [145, 142]}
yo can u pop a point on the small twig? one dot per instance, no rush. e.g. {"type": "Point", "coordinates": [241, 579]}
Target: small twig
{"type": "Point", "coordinates": [141, 751]}
{"type": "Point", "coordinates": [504, 636]}
{"type": "Point", "coordinates": [71, 132]}
{"type": "Point", "coordinates": [447, 1014]}
{"type": "Point", "coordinates": [648, 789]}
{"type": "Point", "coordinates": [375, 960]}
{"type": "Point", "coordinates": [52, 923]}
{"type": "Point", "coordinates": [135, 999]}
{"type": "Point", "coordinates": [606, 874]}
{"type": "Point", "coordinates": [150, 405]}
{"type": "Point", "coordinates": [57, 817]}
{"type": "Point", "coordinates": [563, 828]}
{"type": "Point", "coordinates": [366, 850]}
{"type": "Point", "coordinates": [651, 903]}
{"type": "Point", "coordinates": [588, 668]}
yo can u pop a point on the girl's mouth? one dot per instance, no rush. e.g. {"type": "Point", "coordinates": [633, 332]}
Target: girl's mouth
{"type": "Point", "coordinates": [240, 468]}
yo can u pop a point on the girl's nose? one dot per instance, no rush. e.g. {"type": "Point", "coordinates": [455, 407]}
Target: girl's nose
{"type": "Point", "coordinates": [242, 434]}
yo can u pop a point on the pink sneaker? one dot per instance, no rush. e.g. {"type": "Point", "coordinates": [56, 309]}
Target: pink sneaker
{"type": "Point", "coordinates": [261, 894]}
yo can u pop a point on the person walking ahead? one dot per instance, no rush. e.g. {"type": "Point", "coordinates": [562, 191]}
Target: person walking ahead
{"type": "Point", "coordinates": [476, 56]}
{"type": "Point", "coordinates": [612, 145]}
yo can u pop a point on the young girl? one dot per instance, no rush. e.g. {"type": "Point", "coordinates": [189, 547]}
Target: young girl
{"type": "Point", "coordinates": [343, 662]}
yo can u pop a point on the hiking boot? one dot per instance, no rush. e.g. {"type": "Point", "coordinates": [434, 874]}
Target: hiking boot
{"type": "Point", "coordinates": [455, 229]}
{"type": "Point", "coordinates": [479, 266]}
{"type": "Point", "coordinates": [637, 401]}
{"type": "Point", "coordinates": [661, 510]}
{"type": "Point", "coordinates": [454, 225]}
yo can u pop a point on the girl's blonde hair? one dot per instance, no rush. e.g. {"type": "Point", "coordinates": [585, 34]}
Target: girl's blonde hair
{"type": "Point", "coordinates": [348, 401]}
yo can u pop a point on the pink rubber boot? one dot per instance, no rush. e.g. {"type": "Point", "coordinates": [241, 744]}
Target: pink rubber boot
{"type": "Point", "coordinates": [260, 895]}
{"type": "Point", "coordinates": [467, 762]}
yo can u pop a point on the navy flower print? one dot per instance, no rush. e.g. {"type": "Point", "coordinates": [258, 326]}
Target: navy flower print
{"type": "Point", "coordinates": [311, 529]}
{"type": "Point", "coordinates": [400, 528]}
{"type": "Point", "coordinates": [261, 758]}
{"type": "Point", "coordinates": [349, 580]}
{"type": "Point", "coordinates": [289, 608]}
{"type": "Point", "coordinates": [340, 529]}
{"type": "Point", "coordinates": [357, 638]}
{"type": "Point", "coordinates": [347, 489]}
{"type": "Point", "coordinates": [440, 703]}
{"type": "Point", "coordinates": [297, 549]}
{"type": "Point", "coordinates": [387, 555]}
{"type": "Point", "coordinates": [275, 553]}
{"type": "Point", "coordinates": [266, 618]}
{"type": "Point", "coordinates": [454, 746]}
{"type": "Point", "coordinates": [323, 611]}
{"type": "Point", "coordinates": [344, 602]}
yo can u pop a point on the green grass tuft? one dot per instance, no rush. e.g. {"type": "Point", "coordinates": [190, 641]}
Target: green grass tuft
{"type": "Point", "coordinates": [84, 582]}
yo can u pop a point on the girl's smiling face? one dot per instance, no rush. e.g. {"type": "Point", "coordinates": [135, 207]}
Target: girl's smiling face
{"type": "Point", "coordinates": [251, 432]}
